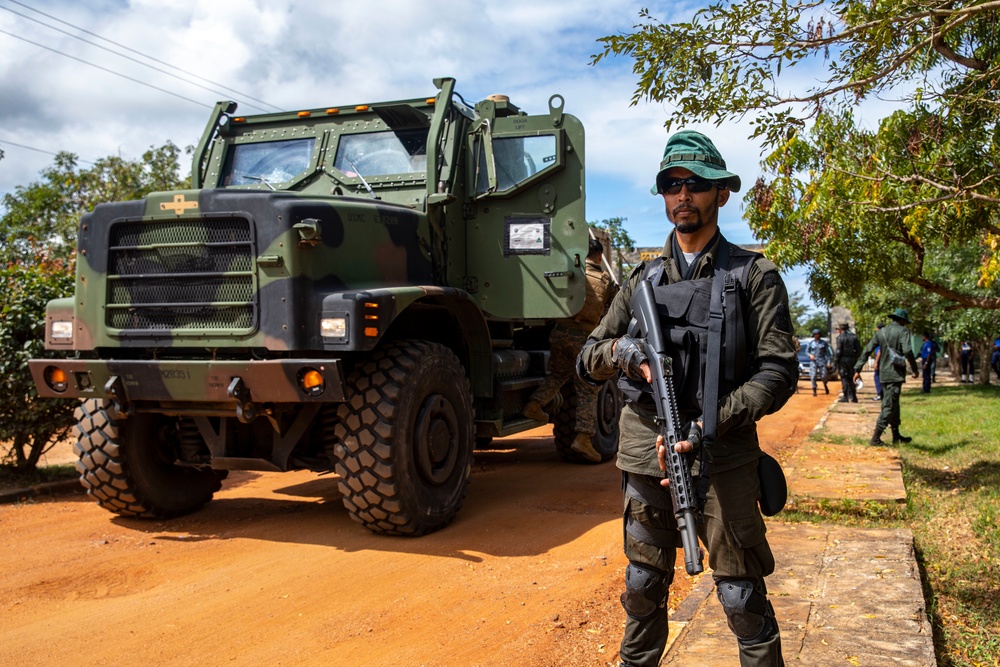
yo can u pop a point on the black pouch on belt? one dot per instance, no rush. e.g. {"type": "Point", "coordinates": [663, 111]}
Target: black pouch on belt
{"type": "Point", "coordinates": [773, 488]}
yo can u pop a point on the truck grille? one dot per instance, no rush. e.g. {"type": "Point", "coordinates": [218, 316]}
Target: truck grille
{"type": "Point", "coordinates": [185, 276]}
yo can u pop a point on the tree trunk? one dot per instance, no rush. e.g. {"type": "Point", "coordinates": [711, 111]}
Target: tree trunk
{"type": "Point", "coordinates": [984, 348]}
{"type": "Point", "coordinates": [28, 450]}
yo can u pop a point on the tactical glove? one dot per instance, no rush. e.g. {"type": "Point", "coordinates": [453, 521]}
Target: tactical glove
{"type": "Point", "coordinates": [694, 435]}
{"type": "Point", "coordinates": [628, 357]}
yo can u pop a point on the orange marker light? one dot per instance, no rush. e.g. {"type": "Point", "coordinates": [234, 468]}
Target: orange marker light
{"type": "Point", "coordinates": [371, 332]}
{"type": "Point", "coordinates": [312, 382]}
{"type": "Point", "coordinates": [330, 112]}
{"type": "Point", "coordinates": [305, 114]}
{"type": "Point", "coordinates": [56, 378]}
{"type": "Point", "coordinates": [361, 107]}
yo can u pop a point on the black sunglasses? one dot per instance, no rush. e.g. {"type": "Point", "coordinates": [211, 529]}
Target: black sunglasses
{"type": "Point", "coordinates": [694, 184]}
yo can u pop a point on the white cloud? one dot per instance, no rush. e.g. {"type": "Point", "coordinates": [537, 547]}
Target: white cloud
{"type": "Point", "coordinates": [303, 53]}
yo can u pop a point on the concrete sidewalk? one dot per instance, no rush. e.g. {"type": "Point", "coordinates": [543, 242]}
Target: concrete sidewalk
{"type": "Point", "coordinates": [842, 596]}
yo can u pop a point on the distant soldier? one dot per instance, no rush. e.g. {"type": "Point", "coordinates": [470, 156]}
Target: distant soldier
{"type": "Point", "coordinates": [893, 343]}
{"type": "Point", "coordinates": [928, 355]}
{"type": "Point", "coordinates": [965, 356]}
{"type": "Point", "coordinates": [819, 360]}
{"type": "Point", "coordinates": [565, 341]}
{"type": "Point", "coordinates": [848, 351]}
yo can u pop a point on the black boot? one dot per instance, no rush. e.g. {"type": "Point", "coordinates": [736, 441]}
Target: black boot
{"type": "Point", "coordinates": [876, 440]}
{"type": "Point", "coordinates": [896, 437]}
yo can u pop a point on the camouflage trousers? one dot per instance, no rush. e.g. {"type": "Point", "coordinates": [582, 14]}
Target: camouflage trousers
{"type": "Point", "coordinates": [734, 535]}
{"type": "Point", "coordinates": [565, 345]}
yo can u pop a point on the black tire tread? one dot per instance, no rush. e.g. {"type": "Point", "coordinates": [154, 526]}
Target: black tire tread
{"type": "Point", "coordinates": [105, 473]}
{"type": "Point", "coordinates": [365, 432]}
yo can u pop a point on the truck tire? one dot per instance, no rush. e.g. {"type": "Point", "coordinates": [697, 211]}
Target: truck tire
{"type": "Point", "coordinates": [127, 467]}
{"type": "Point", "coordinates": [402, 443]}
{"type": "Point", "coordinates": [605, 436]}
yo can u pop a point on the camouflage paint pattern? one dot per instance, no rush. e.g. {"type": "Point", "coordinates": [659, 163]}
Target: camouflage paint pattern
{"type": "Point", "coordinates": [178, 291]}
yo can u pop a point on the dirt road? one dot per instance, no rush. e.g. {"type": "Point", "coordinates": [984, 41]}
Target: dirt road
{"type": "Point", "coordinates": [274, 572]}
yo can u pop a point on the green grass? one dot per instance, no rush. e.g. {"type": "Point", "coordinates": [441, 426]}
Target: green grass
{"type": "Point", "coordinates": [857, 513]}
{"type": "Point", "coordinates": [952, 476]}
{"type": "Point", "coordinates": [12, 478]}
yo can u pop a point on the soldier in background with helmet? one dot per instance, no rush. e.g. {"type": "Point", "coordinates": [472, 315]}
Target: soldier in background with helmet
{"type": "Point", "coordinates": [565, 341]}
{"type": "Point", "coordinates": [848, 351]}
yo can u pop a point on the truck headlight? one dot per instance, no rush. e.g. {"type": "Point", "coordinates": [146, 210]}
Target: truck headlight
{"type": "Point", "coordinates": [333, 327]}
{"type": "Point", "coordinates": [61, 329]}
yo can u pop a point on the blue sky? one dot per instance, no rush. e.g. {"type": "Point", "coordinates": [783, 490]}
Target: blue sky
{"type": "Point", "coordinates": [308, 53]}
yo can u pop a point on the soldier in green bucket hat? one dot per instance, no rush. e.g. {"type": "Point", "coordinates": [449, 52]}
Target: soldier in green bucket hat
{"type": "Point", "coordinates": [894, 342]}
{"type": "Point", "coordinates": [695, 152]}
{"type": "Point", "coordinates": [754, 370]}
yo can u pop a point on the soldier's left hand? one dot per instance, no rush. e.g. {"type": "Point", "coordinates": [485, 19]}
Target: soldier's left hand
{"type": "Point", "coordinates": [661, 454]}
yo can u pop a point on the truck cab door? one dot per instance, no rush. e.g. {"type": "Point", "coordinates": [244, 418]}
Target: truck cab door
{"type": "Point", "coordinates": [526, 230]}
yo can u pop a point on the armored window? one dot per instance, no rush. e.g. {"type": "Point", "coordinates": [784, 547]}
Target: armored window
{"type": "Point", "coordinates": [267, 162]}
{"type": "Point", "coordinates": [516, 159]}
{"type": "Point", "coordinates": [382, 153]}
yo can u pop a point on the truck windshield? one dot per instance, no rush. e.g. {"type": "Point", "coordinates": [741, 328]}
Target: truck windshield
{"type": "Point", "coordinates": [382, 153]}
{"type": "Point", "coordinates": [267, 162]}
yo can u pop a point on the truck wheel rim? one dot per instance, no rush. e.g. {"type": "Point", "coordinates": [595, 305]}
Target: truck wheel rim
{"type": "Point", "coordinates": [436, 436]}
{"type": "Point", "coordinates": [607, 410]}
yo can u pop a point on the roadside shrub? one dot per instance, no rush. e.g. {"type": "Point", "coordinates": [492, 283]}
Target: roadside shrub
{"type": "Point", "coordinates": [29, 424]}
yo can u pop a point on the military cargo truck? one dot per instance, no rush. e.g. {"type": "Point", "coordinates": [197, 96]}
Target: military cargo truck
{"type": "Point", "coordinates": [366, 289]}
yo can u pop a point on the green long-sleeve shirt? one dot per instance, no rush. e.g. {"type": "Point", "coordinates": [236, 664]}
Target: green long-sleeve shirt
{"type": "Point", "coordinates": [770, 343]}
{"type": "Point", "coordinates": [896, 336]}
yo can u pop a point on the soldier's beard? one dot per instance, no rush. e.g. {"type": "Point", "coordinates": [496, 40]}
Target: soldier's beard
{"type": "Point", "coordinates": [689, 225]}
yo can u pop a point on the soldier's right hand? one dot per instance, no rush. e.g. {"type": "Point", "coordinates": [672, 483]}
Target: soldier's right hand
{"type": "Point", "coordinates": [628, 357]}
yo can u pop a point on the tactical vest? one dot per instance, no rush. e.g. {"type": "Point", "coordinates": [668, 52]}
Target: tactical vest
{"type": "Point", "coordinates": [686, 314]}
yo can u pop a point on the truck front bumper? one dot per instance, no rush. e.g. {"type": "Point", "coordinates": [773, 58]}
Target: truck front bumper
{"type": "Point", "coordinates": [125, 381]}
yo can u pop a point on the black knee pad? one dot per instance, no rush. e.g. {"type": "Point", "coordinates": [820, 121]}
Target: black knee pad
{"type": "Point", "coordinates": [645, 591]}
{"type": "Point", "coordinates": [748, 611]}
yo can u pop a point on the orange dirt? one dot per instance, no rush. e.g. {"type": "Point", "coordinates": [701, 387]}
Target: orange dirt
{"type": "Point", "coordinates": [274, 572]}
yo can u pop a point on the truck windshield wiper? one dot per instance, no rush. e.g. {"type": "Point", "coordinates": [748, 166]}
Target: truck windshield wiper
{"type": "Point", "coordinates": [261, 179]}
{"type": "Point", "coordinates": [363, 181]}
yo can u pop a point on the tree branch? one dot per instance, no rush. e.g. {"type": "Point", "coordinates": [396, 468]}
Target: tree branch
{"type": "Point", "coordinates": [963, 300]}
{"type": "Point", "coordinates": [942, 47]}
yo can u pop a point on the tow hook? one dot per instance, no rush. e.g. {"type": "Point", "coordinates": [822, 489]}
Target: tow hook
{"type": "Point", "coordinates": [116, 391]}
{"type": "Point", "coordinates": [246, 410]}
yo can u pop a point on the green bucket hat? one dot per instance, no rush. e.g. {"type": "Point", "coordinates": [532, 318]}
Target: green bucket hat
{"type": "Point", "coordinates": [695, 152]}
{"type": "Point", "coordinates": [900, 314]}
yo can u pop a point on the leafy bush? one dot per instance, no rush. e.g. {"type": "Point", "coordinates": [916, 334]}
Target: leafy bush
{"type": "Point", "coordinates": [29, 424]}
